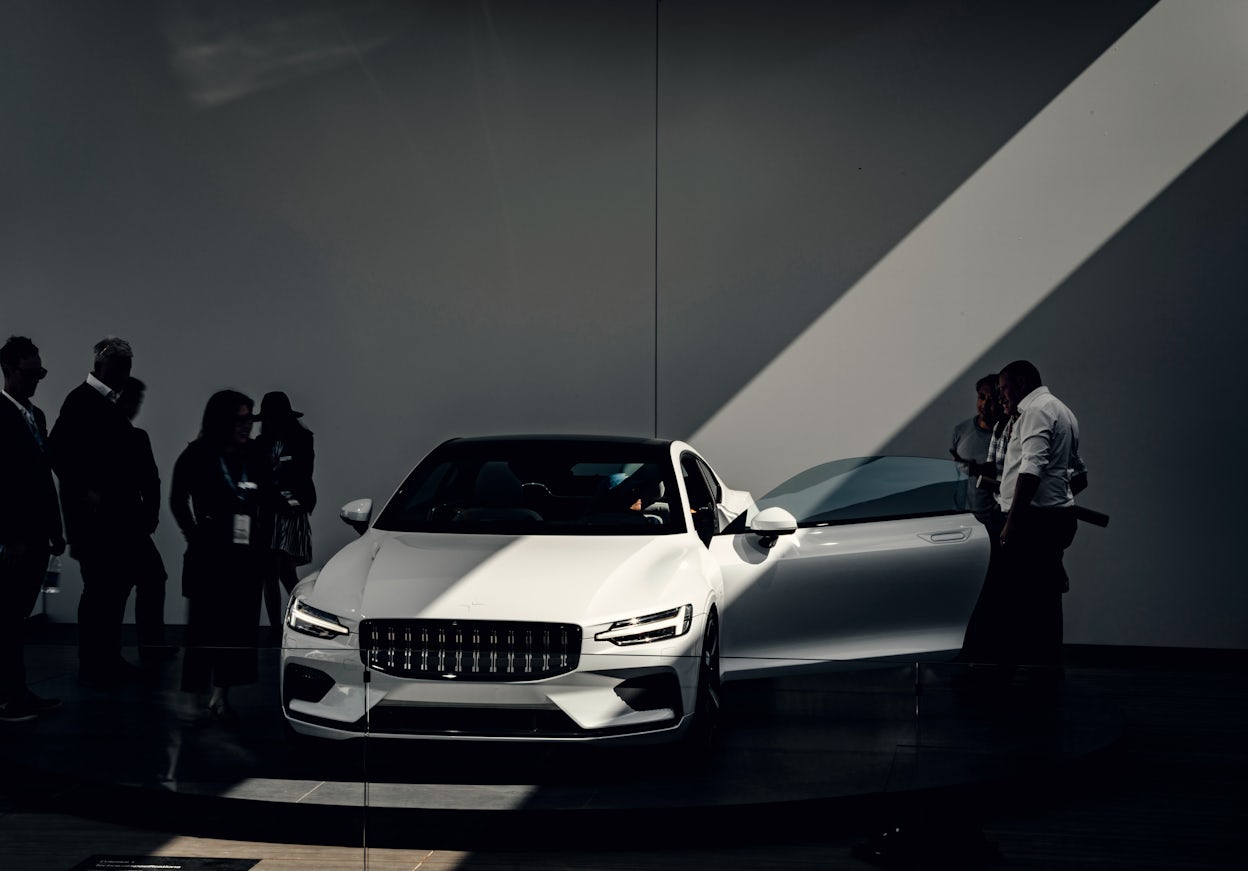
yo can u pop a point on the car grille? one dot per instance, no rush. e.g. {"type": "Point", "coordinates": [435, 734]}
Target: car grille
{"type": "Point", "coordinates": [470, 649]}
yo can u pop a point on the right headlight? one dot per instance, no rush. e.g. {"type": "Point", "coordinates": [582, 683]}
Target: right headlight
{"type": "Point", "coordinates": [651, 627]}
{"type": "Point", "coordinates": [302, 617]}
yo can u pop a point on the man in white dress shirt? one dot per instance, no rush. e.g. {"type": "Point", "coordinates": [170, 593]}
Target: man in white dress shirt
{"type": "Point", "coordinates": [1038, 498]}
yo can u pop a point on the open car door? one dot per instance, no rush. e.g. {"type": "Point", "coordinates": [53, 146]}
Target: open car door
{"type": "Point", "coordinates": [886, 560]}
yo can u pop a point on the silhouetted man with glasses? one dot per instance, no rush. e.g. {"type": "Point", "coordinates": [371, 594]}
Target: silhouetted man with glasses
{"type": "Point", "coordinates": [30, 521]}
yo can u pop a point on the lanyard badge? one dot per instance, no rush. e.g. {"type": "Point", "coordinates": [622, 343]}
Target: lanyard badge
{"type": "Point", "coordinates": [243, 490]}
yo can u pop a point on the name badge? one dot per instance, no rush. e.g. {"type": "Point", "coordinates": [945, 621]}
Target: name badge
{"type": "Point", "coordinates": [242, 529]}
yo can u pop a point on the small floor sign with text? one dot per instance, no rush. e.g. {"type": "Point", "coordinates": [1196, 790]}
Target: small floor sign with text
{"type": "Point", "coordinates": [162, 863]}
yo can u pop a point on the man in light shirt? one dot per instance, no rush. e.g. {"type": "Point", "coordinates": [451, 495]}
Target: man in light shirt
{"type": "Point", "coordinates": [971, 441]}
{"type": "Point", "coordinates": [1040, 477]}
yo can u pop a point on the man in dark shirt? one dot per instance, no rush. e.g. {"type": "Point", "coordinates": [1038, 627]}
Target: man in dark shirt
{"type": "Point", "coordinates": [30, 521]}
{"type": "Point", "coordinates": [148, 567]}
{"type": "Point", "coordinates": [90, 441]}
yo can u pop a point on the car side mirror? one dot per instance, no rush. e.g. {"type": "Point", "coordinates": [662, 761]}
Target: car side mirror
{"type": "Point", "coordinates": [357, 514]}
{"type": "Point", "coordinates": [771, 523]}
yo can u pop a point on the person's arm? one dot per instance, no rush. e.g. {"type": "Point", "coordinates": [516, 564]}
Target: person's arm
{"type": "Point", "coordinates": [973, 469]}
{"type": "Point", "coordinates": [180, 494]}
{"type": "Point", "coordinates": [68, 455]}
{"type": "Point", "coordinates": [1078, 470]}
{"type": "Point", "coordinates": [1024, 491]}
{"type": "Point", "coordinates": [307, 494]}
{"type": "Point", "coordinates": [981, 470]}
{"type": "Point", "coordinates": [11, 501]}
{"type": "Point", "coordinates": [51, 502]}
{"type": "Point", "coordinates": [149, 480]}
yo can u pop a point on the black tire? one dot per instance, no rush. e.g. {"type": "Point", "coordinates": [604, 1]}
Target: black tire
{"type": "Point", "coordinates": [707, 706]}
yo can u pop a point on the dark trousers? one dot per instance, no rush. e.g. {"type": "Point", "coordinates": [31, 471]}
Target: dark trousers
{"type": "Point", "coordinates": [223, 584]}
{"type": "Point", "coordinates": [1018, 617]}
{"type": "Point", "coordinates": [149, 594]}
{"type": "Point", "coordinates": [107, 578]}
{"type": "Point", "coordinates": [1033, 559]}
{"type": "Point", "coordinates": [982, 642]}
{"type": "Point", "coordinates": [21, 577]}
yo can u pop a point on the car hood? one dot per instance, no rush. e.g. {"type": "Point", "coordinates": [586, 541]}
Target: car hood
{"type": "Point", "coordinates": [572, 579]}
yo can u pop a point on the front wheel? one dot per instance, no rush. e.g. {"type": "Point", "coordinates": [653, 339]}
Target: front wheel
{"type": "Point", "coordinates": [706, 710]}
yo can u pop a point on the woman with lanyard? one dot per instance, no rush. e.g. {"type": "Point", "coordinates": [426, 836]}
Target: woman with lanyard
{"type": "Point", "coordinates": [214, 497]}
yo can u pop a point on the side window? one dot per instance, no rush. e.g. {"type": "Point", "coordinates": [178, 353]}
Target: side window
{"type": "Point", "coordinates": [712, 483]}
{"type": "Point", "coordinates": [699, 491]}
{"type": "Point", "coordinates": [872, 488]}
{"type": "Point", "coordinates": [702, 498]}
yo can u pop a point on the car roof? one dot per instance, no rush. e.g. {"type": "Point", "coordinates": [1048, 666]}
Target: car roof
{"type": "Point", "coordinates": [564, 437]}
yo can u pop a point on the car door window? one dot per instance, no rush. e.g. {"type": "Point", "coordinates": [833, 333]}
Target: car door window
{"type": "Point", "coordinates": [702, 488]}
{"type": "Point", "coordinates": [872, 488]}
{"type": "Point", "coordinates": [700, 495]}
{"type": "Point", "coordinates": [712, 483]}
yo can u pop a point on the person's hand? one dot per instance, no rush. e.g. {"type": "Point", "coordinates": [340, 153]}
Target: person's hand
{"type": "Point", "coordinates": [1005, 531]}
{"type": "Point", "coordinates": [10, 552]}
{"type": "Point", "coordinates": [194, 537]}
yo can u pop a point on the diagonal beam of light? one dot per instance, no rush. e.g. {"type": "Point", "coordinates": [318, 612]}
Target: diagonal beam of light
{"type": "Point", "coordinates": [1126, 128]}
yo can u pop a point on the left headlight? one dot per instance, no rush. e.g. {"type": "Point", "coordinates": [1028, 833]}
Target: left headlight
{"type": "Point", "coordinates": [651, 627]}
{"type": "Point", "coordinates": [302, 617]}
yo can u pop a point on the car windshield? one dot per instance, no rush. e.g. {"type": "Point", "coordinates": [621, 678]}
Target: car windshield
{"type": "Point", "coordinates": [540, 487]}
{"type": "Point", "coordinates": [872, 488]}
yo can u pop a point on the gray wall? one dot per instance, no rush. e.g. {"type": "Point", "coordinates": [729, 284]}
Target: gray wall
{"type": "Point", "coordinates": [766, 226]}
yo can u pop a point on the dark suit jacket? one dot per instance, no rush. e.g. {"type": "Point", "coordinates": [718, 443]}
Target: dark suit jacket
{"type": "Point", "coordinates": [91, 442]}
{"type": "Point", "coordinates": [204, 501]}
{"type": "Point", "coordinates": [146, 479]}
{"type": "Point", "coordinates": [29, 512]}
{"type": "Point", "coordinates": [292, 466]}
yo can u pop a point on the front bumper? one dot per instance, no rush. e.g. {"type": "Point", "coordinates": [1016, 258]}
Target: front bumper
{"type": "Point", "coordinates": [612, 696]}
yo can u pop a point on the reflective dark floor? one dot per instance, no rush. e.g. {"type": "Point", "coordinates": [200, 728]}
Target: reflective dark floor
{"type": "Point", "coordinates": [831, 739]}
{"type": "Point", "coordinates": [1167, 793]}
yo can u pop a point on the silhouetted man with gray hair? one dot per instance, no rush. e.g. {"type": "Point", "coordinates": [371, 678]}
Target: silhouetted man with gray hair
{"type": "Point", "coordinates": [90, 442]}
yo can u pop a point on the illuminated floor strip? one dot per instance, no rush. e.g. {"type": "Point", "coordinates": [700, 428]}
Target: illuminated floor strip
{"type": "Point", "coordinates": [1008, 237]}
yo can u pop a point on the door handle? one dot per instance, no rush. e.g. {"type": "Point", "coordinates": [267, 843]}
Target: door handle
{"type": "Point", "coordinates": [962, 533]}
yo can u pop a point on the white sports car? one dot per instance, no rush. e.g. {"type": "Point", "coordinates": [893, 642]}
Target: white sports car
{"type": "Point", "coordinates": [582, 588]}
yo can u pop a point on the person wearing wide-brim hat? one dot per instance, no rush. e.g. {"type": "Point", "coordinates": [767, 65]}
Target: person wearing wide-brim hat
{"type": "Point", "coordinates": [288, 445]}
{"type": "Point", "coordinates": [275, 406]}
